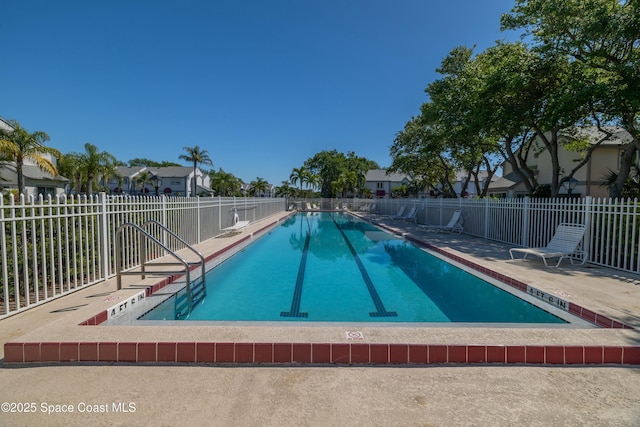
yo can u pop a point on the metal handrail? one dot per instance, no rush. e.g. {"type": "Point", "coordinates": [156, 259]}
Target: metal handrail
{"type": "Point", "coordinates": [187, 245]}
{"type": "Point", "coordinates": [143, 257]}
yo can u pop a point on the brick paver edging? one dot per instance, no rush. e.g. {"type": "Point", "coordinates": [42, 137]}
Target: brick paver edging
{"type": "Point", "coordinates": [261, 353]}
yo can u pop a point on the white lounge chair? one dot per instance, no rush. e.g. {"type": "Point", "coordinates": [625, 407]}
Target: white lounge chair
{"type": "Point", "coordinates": [237, 225]}
{"type": "Point", "coordinates": [454, 225]}
{"type": "Point", "coordinates": [566, 242]}
{"type": "Point", "coordinates": [400, 213]}
{"type": "Point", "coordinates": [410, 216]}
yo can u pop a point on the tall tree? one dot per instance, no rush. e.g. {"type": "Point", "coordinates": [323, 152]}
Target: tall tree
{"type": "Point", "coordinates": [258, 186]}
{"type": "Point", "coordinates": [300, 175]}
{"type": "Point", "coordinates": [96, 164]}
{"type": "Point", "coordinates": [603, 36]}
{"type": "Point", "coordinates": [196, 156]}
{"type": "Point", "coordinates": [224, 183]}
{"type": "Point", "coordinates": [142, 180]}
{"type": "Point", "coordinates": [18, 145]}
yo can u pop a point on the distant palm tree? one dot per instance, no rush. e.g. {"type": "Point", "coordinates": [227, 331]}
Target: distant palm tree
{"type": "Point", "coordinates": [18, 145]}
{"type": "Point", "coordinates": [196, 156]}
{"type": "Point", "coordinates": [70, 166]}
{"type": "Point", "coordinates": [95, 164]}
{"type": "Point", "coordinates": [285, 190]}
{"type": "Point", "coordinates": [302, 175]}
{"type": "Point", "coordinates": [143, 179]}
{"type": "Point", "coordinates": [225, 183]}
{"type": "Point", "coordinates": [258, 185]}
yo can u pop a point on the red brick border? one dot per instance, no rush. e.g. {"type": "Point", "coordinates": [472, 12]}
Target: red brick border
{"type": "Point", "coordinates": [244, 353]}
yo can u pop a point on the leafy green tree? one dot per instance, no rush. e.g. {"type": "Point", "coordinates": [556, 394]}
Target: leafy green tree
{"type": "Point", "coordinates": [150, 163]}
{"type": "Point", "coordinates": [224, 183]}
{"type": "Point", "coordinates": [18, 145]}
{"type": "Point", "coordinates": [328, 165]}
{"type": "Point", "coordinates": [196, 156]}
{"type": "Point", "coordinates": [603, 36]}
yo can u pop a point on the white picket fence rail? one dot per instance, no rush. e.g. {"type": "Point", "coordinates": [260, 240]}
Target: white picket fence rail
{"type": "Point", "coordinates": [53, 246]}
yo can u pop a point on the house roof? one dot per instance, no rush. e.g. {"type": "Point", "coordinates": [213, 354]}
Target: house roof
{"type": "Point", "coordinates": [510, 180]}
{"type": "Point", "coordinates": [130, 171]}
{"type": "Point", "coordinates": [163, 172]}
{"type": "Point", "coordinates": [10, 176]}
{"type": "Point", "coordinates": [382, 175]}
{"type": "Point", "coordinates": [4, 124]}
{"type": "Point", "coordinates": [619, 136]}
{"type": "Point", "coordinates": [172, 171]}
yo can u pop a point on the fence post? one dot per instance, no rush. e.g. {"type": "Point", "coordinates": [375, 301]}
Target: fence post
{"type": "Point", "coordinates": [525, 222]}
{"type": "Point", "coordinates": [103, 221]}
{"type": "Point", "coordinates": [198, 220]}
{"type": "Point", "coordinates": [486, 217]}
{"type": "Point", "coordinates": [219, 213]}
{"type": "Point", "coordinates": [587, 223]}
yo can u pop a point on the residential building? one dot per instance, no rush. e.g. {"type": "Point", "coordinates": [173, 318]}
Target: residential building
{"type": "Point", "coordinates": [381, 183]}
{"type": "Point", "coordinates": [36, 181]}
{"type": "Point", "coordinates": [587, 180]}
{"type": "Point", "coordinates": [171, 181]}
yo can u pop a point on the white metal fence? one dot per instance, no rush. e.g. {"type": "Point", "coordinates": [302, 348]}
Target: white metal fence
{"type": "Point", "coordinates": [613, 226]}
{"type": "Point", "coordinates": [53, 246]}
{"type": "Point", "coordinates": [50, 247]}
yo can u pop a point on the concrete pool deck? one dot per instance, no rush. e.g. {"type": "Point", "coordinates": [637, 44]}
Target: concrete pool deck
{"type": "Point", "coordinates": [360, 395]}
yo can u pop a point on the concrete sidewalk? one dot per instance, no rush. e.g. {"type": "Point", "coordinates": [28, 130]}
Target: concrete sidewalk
{"type": "Point", "coordinates": [328, 395]}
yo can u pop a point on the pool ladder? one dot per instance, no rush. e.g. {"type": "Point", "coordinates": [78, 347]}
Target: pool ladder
{"type": "Point", "coordinates": [193, 294]}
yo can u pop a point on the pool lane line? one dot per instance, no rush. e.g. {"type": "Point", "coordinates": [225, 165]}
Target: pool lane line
{"type": "Point", "coordinates": [381, 311]}
{"type": "Point", "coordinates": [297, 293]}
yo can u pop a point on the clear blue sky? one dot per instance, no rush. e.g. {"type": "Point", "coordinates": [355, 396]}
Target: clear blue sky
{"type": "Point", "coordinates": [262, 85]}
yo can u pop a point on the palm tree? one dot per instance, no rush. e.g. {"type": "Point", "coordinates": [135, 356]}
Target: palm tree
{"type": "Point", "coordinates": [196, 155]}
{"type": "Point", "coordinates": [346, 181]}
{"type": "Point", "coordinates": [285, 190]}
{"type": "Point", "coordinates": [258, 185]}
{"type": "Point", "coordinates": [225, 183]}
{"type": "Point", "coordinates": [18, 145]}
{"type": "Point", "coordinates": [301, 174]}
{"type": "Point", "coordinates": [95, 164]}
{"type": "Point", "coordinates": [70, 166]}
{"type": "Point", "coordinates": [143, 179]}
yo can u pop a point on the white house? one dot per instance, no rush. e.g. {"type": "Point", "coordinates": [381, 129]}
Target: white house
{"type": "Point", "coordinates": [380, 183]}
{"type": "Point", "coordinates": [170, 181]}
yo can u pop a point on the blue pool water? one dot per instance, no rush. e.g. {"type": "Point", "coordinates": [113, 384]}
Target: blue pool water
{"type": "Point", "coordinates": [326, 266]}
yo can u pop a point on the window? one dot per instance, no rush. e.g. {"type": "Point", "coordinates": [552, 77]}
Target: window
{"type": "Point", "coordinates": [46, 191]}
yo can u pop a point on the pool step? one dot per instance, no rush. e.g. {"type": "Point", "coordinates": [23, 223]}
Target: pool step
{"type": "Point", "coordinates": [198, 292]}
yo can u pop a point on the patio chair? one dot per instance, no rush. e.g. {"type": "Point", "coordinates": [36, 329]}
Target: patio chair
{"type": "Point", "coordinates": [237, 225]}
{"type": "Point", "coordinates": [400, 213]}
{"type": "Point", "coordinates": [410, 216]}
{"type": "Point", "coordinates": [565, 243]}
{"type": "Point", "coordinates": [454, 225]}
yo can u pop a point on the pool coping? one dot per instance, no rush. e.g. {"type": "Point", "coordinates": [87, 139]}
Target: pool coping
{"type": "Point", "coordinates": [322, 353]}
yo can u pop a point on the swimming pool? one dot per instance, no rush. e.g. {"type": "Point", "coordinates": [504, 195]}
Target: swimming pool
{"type": "Point", "coordinates": [334, 267]}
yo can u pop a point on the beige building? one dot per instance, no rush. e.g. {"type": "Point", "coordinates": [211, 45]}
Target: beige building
{"type": "Point", "coordinates": [587, 180]}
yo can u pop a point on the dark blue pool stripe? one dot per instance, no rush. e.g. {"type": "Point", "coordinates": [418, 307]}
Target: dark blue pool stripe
{"type": "Point", "coordinates": [381, 311]}
{"type": "Point", "coordinates": [297, 293]}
